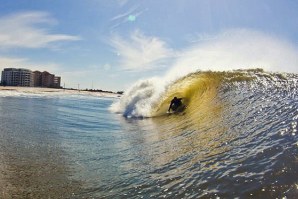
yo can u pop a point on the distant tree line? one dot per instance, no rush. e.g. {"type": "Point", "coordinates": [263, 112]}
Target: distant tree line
{"type": "Point", "coordinates": [97, 90]}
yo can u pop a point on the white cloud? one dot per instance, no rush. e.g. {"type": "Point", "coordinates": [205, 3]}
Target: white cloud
{"type": "Point", "coordinates": [238, 49]}
{"type": "Point", "coordinates": [140, 52]}
{"type": "Point", "coordinates": [23, 30]}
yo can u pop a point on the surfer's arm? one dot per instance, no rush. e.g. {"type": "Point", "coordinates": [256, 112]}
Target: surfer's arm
{"type": "Point", "coordinates": [170, 106]}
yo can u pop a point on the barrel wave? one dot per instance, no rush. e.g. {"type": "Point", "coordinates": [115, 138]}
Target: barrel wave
{"type": "Point", "coordinates": [237, 136]}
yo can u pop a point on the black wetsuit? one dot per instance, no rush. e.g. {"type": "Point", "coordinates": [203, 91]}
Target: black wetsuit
{"type": "Point", "coordinates": [175, 104]}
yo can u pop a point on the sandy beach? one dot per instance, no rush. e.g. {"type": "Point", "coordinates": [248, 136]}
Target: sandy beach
{"type": "Point", "coordinates": [12, 91]}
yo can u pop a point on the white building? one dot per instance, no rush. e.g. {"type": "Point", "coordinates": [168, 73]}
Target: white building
{"type": "Point", "coordinates": [17, 77]}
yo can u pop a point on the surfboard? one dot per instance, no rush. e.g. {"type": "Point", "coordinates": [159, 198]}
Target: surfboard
{"type": "Point", "coordinates": [178, 110]}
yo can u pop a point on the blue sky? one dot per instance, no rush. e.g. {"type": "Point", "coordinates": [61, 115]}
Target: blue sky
{"type": "Point", "coordinates": [112, 43]}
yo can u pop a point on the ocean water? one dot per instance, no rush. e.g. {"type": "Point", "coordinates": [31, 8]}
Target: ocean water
{"type": "Point", "coordinates": [237, 138]}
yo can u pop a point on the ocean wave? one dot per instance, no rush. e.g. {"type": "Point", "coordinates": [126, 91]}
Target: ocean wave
{"type": "Point", "coordinates": [151, 98]}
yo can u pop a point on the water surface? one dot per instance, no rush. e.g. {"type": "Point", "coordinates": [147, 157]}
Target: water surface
{"type": "Point", "coordinates": [242, 143]}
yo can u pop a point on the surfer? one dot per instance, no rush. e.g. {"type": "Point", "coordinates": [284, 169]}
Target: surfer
{"type": "Point", "coordinates": [175, 104]}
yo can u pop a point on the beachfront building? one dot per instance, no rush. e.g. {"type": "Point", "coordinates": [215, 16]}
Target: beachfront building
{"type": "Point", "coordinates": [17, 77]}
{"type": "Point", "coordinates": [37, 78]}
{"type": "Point", "coordinates": [25, 77]}
{"type": "Point", "coordinates": [57, 82]}
{"type": "Point", "coordinates": [46, 79]}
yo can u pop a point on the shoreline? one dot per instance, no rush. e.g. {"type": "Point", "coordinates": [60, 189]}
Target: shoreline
{"type": "Point", "coordinates": [56, 91]}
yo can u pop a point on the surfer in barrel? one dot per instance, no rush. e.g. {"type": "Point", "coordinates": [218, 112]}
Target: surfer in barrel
{"type": "Point", "coordinates": [176, 104]}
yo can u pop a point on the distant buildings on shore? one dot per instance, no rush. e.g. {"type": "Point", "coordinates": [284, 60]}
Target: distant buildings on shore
{"type": "Point", "coordinates": [25, 77]}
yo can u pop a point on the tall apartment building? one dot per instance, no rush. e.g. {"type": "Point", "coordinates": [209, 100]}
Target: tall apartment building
{"type": "Point", "coordinates": [25, 77]}
{"type": "Point", "coordinates": [17, 77]}
{"type": "Point", "coordinates": [37, 78]}
{"type": "Point", "coordinates": [47, 79]}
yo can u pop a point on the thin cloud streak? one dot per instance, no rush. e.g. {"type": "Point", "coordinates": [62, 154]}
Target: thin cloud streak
{"type": "Point", "coordinates": [125, 17]}
{"type": "Point", "coordinates": [23, 30]}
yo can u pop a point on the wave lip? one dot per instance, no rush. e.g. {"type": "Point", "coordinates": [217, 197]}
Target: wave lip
{"type": "Point", "coordinates": [139, 100]}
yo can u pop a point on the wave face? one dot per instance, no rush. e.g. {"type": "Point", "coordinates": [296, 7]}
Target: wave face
{"type": "Point", "coordinates": [151, 98]}
{"type": "Point", "coordinates": [237, 136]}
